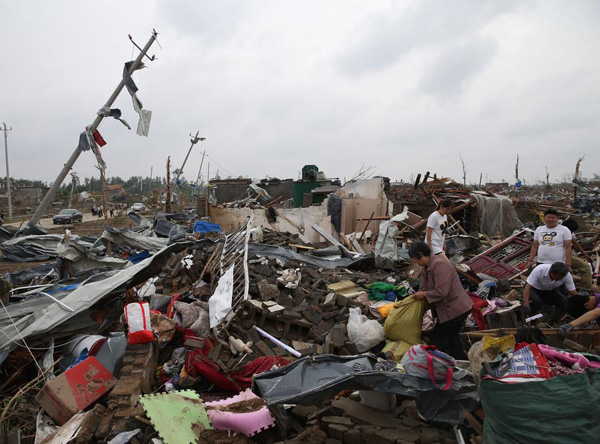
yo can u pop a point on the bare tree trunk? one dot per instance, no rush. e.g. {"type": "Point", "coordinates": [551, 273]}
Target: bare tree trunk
{"type": "Point", "coordinates": [577, 166]}
{"type": "Point", "coordinates": [464, 168]}
{"type": "Point", "coordinates": [168, 187]}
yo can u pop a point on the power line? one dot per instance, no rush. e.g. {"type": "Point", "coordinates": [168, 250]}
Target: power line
{"type": "Point", "coordinates": [221, 166]}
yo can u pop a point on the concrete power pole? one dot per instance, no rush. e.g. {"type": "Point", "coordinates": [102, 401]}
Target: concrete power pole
{"type": "Point", "coordinates": [69, 165]}
{"type": "Point", "coordinates": [74, 181]}
{"type": "Point", "coordinates": [195, 139]}
{"type": "Point", "coordinates": [6, 130]}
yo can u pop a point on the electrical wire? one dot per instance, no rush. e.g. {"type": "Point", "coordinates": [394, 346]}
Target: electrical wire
{"type": "Point", "coordinates": [22, 338]}
{"type": "Point", "coordinates": [220, 166]}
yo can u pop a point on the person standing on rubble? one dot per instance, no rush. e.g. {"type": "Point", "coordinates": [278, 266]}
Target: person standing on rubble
{"type": "Point", "coordinates": [580, 264]}
{"type": "Point", "coordinates": [547, 285]}
{"type": "Point", "coordinates": [437, 225]}
{"type": "Point", "coordinates": [450, 303]}
{"type": "Point", "coordinates": [551, 242]}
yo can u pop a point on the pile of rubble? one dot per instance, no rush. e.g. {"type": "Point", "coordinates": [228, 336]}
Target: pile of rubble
{"type": "Point", "coordinates": [260, 336]}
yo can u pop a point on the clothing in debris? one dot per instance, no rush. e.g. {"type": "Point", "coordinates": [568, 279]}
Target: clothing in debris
{"type": "Point", "coordinates": [145, 115]}
{"type": "Point", "coordinates": [90, 141]}
{"type": "Point", "coordinates": [115, 113]}
{"type": "Point", "coordinates": [551, 243]}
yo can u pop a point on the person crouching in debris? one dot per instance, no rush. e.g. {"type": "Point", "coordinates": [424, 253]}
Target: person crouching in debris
{"type": "Point", "coordinates": [548, 285]}
{"type": "Point", "coordinates": [437, 225]}
{"type": "Point", "coordinates": [450, 303]}
{"type": "Point", "coordinates": [584, 309]}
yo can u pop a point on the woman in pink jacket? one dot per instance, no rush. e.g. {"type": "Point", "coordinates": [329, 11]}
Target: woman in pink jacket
{"type": "Point", "coordinates": [449, 302]}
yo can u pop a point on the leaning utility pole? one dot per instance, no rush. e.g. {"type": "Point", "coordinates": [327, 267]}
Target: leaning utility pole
{"type": "Point", "coordinates": [197, 192]}
{"type": "Point", "coordinates": [150, 185]}
{"type": "Point", "coordinates": [195, 139]}
{"type": "Point", "coordinates": [69, 165]}
{"type": "Point", "coordinates": [74, 181]}
{"type": "Point", "coordinates": [6, 130]}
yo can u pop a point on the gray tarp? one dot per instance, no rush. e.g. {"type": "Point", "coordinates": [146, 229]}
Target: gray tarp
{"type": "Point", "coordinates": [43, 321]}
{"type": "Point", "coordinates": [83, 258]}
{"type": "Point", "coordinates": [31, 248]}
{"type": "Point", "coordinates": [49, 246]}
{"type": "Point", "coordinates": [497, 215]}
{"type": "Point", "coordinates": [134, 240]}
{"type": "Point", "coordinates": [313, 380]}
{"type": "Point", "coordinates": [286, 254]}
{"type": "Point", "coordinates": [386, 248]}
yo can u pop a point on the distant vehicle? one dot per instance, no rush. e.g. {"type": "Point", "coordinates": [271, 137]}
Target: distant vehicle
{"type": "Point", "coordinates": [137, 207]}
{"type": "Point", "coordinates": [69, 216]}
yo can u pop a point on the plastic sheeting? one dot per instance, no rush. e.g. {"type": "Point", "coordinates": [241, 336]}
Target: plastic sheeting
{"type": "Point", "coordinates": [460, 243]}
{"type": "Point", "coordinates": [134, 240]}
{"type": "Point", "coordinates": [43, 321]}
{"type": "Point", "coordinates": [497, 215]}
{"type": "Point", "coordinates": [564, 409]}
{"type": "Point", "coordinates": [313, 380]}
{"type": "Point", "coordinates": [386, 248]}
{"type": "Point", "coordinates": [204, 227]}
{"type": "Point", "coordinates": [31, 248]}
{"type": "Point", "coordinates": [286, 254]}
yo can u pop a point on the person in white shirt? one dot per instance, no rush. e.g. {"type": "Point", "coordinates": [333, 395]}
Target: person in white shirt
{"type": "Point", "coordinates": [551, 242]}
{"type": "Point", "coordinates": [437, 225]}
{"type": "Point", "coordinates": [547, 285]}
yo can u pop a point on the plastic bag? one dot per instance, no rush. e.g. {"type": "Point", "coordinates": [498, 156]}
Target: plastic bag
{"type": "Point", "coordinates": [365, 333]}
{"type": "Point", "coordinates": [384, 310]}
{"type": "Point", "coordinates": [138, 321]}
{"type": "Point", "coordinates": [405, 320]}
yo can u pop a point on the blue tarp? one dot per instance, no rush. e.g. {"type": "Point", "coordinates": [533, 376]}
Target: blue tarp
{"type": "Point", "coordinates": [206, 227]}
{"type": "Point", "coordinates": [139, 257]}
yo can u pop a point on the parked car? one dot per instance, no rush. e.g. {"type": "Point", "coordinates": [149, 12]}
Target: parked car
{"type": "Point", "coordinates": [137, 207]}
{"type": "Point", "coordinates": [69, 216]}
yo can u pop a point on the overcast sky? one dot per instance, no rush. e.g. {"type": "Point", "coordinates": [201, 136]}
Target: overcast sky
{"type": "Point", "coordinates": [404, 86]}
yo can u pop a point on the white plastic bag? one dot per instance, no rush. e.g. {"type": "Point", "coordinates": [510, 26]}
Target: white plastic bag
{"type": "Point", "coordinates": [365, 333]}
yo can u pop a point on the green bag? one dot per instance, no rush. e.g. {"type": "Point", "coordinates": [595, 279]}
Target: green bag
{"type": "Point", "coordinates": [405, 320]}
{"type": "Point", "coordinates": [561, 410]}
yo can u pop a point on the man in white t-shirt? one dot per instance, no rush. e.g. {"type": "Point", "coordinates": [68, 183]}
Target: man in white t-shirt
{"type": "Point", "coordinates": [437, 225]}
{"type": "Point", "coordinates": [551, 242]}
{"type": "Point", "coordinates": [548, 285]}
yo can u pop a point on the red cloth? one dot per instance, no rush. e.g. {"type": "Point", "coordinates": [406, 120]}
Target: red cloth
{"type": "Point", "coordinates": [478, 305]}
{"type": "Point", "coordinates": [197, 364]}
{"type": "Point", "coordinates": [98, 138]}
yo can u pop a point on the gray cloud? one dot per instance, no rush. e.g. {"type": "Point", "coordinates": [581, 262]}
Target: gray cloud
{"type": "Point", "coordinates": [385, 38]}
{"type": "Point", "coordinates": [448, 75]}
{"type": "Point", "coordinates": [275, 85]}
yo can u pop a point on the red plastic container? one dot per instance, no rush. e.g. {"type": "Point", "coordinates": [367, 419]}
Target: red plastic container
{"type": "Point", "coordinates": [75, 390]}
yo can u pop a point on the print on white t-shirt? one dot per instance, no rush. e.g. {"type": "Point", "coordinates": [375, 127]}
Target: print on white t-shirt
{"type": "Point", "coordinates": [551, 243]}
